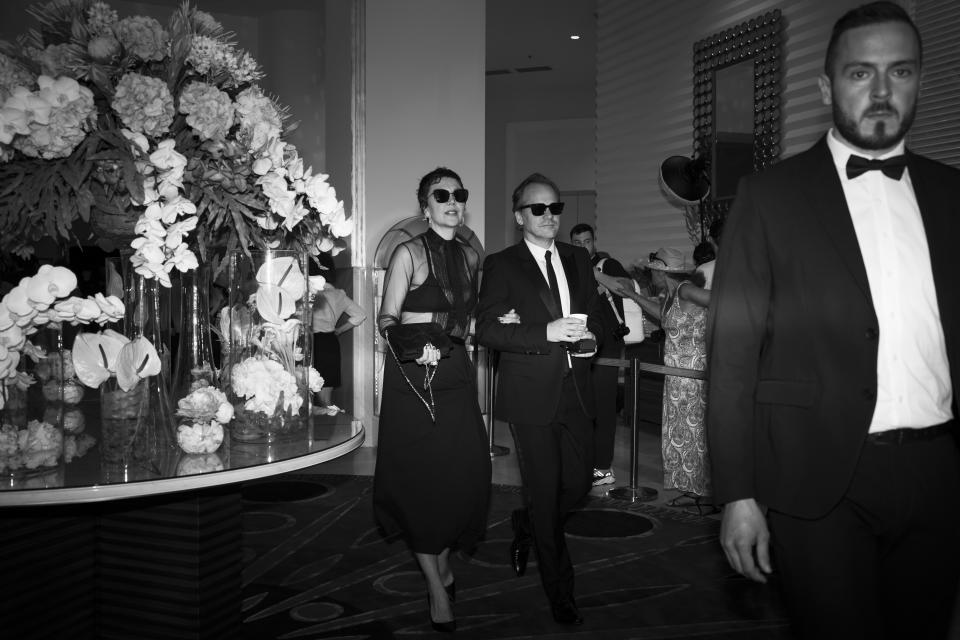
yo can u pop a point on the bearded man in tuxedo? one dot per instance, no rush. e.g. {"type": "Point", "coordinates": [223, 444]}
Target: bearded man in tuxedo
{"type": "Point", "coordinates": [835, 358]}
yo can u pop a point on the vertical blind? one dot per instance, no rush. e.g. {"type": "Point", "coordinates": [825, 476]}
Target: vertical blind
{"type": "Point", "coordinates": [936, 131]}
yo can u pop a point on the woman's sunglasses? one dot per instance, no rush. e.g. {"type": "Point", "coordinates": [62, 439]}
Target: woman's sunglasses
{"type": "Point", "coordinates": [538, 209]}
{"type": "Point", "coordinates": [442, 195]}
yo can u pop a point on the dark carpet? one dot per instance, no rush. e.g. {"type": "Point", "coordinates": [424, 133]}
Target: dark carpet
{"type": "Point", "coordinates": [315, 566]}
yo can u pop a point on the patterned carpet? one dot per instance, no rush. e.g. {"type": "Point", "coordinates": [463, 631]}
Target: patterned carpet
{"type": "Point", "coordinates": [315, 566]}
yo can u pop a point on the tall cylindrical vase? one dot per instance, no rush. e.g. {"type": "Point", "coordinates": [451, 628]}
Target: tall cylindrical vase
{"type": "Point", "coordinates": [194, 366]}
{"type": "Point", "coordinates": [138, 422]}
{"type": "Point", "coordinates": [267, 330]}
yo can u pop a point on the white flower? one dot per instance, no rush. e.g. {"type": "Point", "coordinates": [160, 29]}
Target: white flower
{"type": "Point", "coordinates": [166, 156]}
{"type": "Point", "coordinates": [183, 259]}
{"type": "Point", "coordinates": [177, 231]}
{"type": "Point", "coordinates": [316, 380]}
{"type": "Point", "coordinates": [200, 437]}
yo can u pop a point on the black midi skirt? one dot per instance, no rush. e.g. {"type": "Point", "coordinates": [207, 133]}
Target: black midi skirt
{"type": "Point", "coordinates": [432, 480]}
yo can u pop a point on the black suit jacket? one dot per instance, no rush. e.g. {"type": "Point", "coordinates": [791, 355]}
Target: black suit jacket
{"type": "Point", "coordinates": [531, 369]}
{"type": "Point", "coordinates": [793, 334]}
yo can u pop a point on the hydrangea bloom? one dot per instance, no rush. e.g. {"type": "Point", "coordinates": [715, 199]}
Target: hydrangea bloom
{"type": "Point", "coordinates": [12, 75]}
{"type": "Point", "coordinates": [259, 118]}
{"type": "Point", "coordinates": [143, 37]}
{"type": "Point", "coordinates": [101, 18]}
{"type": "Point", "coordinates": [144, 104]}
{"type": "Point", "coordinates": [262, 381]}
{"type": "Point", "coordinates": [209, 110]}
{"type": "Point", "coordinates": [69, 120]}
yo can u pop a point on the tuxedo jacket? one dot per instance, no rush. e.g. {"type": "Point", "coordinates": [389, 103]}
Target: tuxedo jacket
{"type": "Point", "coordinates": [793, 335]}
{"type": "Point", "coordinates": [531, 369]}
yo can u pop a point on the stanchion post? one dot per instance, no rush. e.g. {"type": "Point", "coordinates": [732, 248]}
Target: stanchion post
{"type": "Point", "coordinates": [634, 493]}
{"type": "Point", "coordinates": [491, 379]}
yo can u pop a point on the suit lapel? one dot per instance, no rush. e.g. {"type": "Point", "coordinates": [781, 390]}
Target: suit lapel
{"type": "Point", "coordinates": [829, 204]}
{"type": "Point", "coordinates": [532, 272]}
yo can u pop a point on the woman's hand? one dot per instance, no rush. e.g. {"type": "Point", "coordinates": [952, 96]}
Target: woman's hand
{"type": "Point", "coordinates": [510, 317]}
{"type": "Point", "coordinates": [430, 357]}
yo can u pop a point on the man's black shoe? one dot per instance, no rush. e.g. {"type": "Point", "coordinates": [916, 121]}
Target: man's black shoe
{"type": "Point", "coordinates": [566, 612]}
{"type": "Point", "coordinates": [520, 547]}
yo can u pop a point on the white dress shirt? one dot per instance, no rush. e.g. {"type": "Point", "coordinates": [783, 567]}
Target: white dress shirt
{"type": "Point", "coordinates": [540, 255]}
{"type": "Point", "coordinates": [913, 378]}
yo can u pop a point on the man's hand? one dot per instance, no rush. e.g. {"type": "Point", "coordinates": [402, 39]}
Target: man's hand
{"type": "Point", "coordinates": [744, 528]}
{"type": "Point", "coordinates": [565, 330]}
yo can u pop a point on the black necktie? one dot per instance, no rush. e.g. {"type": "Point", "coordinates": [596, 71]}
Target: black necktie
{"type": "Point", "coordinates": [554, 287]}
{"type": "Point", "coordinates": [891, 167]}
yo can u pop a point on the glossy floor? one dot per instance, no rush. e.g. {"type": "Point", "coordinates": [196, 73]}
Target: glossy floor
{"type": "Point", "coordinates": [507, 472]}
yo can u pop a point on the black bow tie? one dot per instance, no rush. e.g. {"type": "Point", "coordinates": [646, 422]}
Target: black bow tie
{"type": "Point", "coordinates": [891, 167]}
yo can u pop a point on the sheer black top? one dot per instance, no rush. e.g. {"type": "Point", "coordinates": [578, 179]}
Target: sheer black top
{"type": "Point", "coordinates": [431, 279]}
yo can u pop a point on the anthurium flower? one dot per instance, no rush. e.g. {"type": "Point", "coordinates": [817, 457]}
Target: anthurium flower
{"type": "Point", "coordinates": [138, 359]}
{"type": "Point", "coordinates": [275, 304]}
{"type": "Point", "coordinates": [95, 356]}
{"type": "Point", "coordinates": [285, 273]}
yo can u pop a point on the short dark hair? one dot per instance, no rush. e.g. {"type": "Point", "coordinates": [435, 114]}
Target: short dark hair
{"type": "Point", "coordinates": [715, 229]}
{"type": "Point", "coordinates": [533, 178]}
{"type": "Point", "coordinates": [431, 179]}
{"type": "Point", "coordinates": [582, 227]}
{"type": "Point", "coordinates": [703, 252]}
{"type": "Point", "coordinates": [862, 16]}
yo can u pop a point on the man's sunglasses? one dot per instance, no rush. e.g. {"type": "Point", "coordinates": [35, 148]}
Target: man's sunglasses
{"type": "Point", "coordinates": [442, 195]}
{"type": "Point", "coordinates": [538, 209]}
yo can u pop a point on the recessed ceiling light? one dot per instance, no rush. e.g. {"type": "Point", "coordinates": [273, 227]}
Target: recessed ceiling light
{"type": "Point", "coordinates": [574, 37]}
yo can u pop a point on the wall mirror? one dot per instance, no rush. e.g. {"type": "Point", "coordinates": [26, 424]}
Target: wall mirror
{"type": "Point", "coordinates": [737, 77]}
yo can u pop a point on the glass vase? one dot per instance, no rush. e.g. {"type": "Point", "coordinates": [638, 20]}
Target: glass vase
{"type": "Point", "coordinates": [32, 436]}
{"type": "Point", "coordinates": [137, 423]}
{"type": "Point", "coordinates": [194, 365]}
{"type": "Point", "coordinates": [268, 341]}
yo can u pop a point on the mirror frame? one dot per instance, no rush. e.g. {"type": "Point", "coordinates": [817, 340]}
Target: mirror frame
{"type": "Point", "coordinates": [758, 39]}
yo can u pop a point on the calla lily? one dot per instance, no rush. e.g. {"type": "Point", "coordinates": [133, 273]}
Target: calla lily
{"type": "Point", "coordinates": [138, 359]}
{"type": "Point", "coordinates": [95, 356]}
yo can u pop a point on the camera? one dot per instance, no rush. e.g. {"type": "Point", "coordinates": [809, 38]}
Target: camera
{"type": "Point", "coordinates": [621, 331]}
{"type": "Point", "coordinates": [585, 345]}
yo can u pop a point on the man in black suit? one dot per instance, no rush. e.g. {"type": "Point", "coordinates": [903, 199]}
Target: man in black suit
{"type": "Point", "coordinates": [604, 377]}
{"type": "Point", "coordinates": [835, 358]}
{"type": "Point", "coordinates": [543, 388]}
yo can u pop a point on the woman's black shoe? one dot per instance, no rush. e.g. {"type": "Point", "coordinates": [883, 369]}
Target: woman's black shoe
{"type": "Point", "coordinates": [442, 627]}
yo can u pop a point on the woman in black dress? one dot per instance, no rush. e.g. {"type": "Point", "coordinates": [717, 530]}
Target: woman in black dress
{"type": "Point", "coordinates": [432, 479]}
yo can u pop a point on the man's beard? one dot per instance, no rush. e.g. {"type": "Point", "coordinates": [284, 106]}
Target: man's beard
{"type": "Point", "coordinates": [880, 138]}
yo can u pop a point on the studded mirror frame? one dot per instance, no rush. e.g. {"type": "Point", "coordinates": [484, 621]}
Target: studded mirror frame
{"type": "Point", "coordinates": [759, 39]}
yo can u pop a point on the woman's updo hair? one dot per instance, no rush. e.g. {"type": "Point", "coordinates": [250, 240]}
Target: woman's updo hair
{"type": "Point", "coordinates": [431, 179]}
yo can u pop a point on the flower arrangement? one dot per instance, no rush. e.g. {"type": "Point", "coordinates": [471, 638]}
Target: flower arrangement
{"type": "Point", "coordinates": [207, 411]}
{"type": "Point", "coordinates": [37, 301]}
{"type": "Point", "coordinates": [163, 130]}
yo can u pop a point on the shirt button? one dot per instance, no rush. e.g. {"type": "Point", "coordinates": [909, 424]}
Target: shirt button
{"type": "Point", "coordinates": [868, 394]}
{"type": "Point", "coordinates": [871, 334]}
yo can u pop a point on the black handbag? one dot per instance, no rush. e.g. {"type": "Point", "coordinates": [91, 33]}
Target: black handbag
{"type": "Point", "coordinates": [408, 340]}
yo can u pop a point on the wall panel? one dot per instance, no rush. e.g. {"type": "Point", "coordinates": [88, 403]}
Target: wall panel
{"type": "Point", "coordinates": [644, 102]}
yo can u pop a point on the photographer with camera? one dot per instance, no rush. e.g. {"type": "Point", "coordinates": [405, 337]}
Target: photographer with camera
{"type": "Point", "coordinates": [604, 377]}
